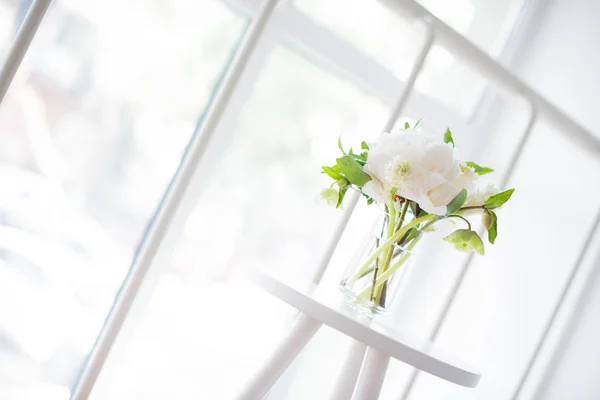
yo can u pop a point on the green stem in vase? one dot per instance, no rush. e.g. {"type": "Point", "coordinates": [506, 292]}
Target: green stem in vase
{"type": "Point", "coordinates": [381, 279]}
{"type": "Point", "coordinates": [390, 242]}
{"type": "Point", "coordinates": [386, 262]}
{"type": "Point", "coordinates": [390, 222]}
{"type": "Point", "coordinates": [397, 225]}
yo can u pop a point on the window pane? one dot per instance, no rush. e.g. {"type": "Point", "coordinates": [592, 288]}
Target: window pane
{"type": "Point", "coordinates": [93, 129]}
{"type": "Point", "coordinates": [394, 42]}
{"type": "Point", "coordinates": [508, 295]}
{"type": "Point", "coordinates": [11, 15]}
{"type": "Point", "coordinates": [258, 210]}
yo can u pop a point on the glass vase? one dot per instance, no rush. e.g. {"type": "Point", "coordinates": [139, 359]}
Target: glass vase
{"type": "Point", "coordinates": [376, 273]}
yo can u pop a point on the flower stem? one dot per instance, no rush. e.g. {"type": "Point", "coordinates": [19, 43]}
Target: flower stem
{"type": "Point", "coordinates": [376, 293]}
{"type": "Point", "coordinates": [403, 214]}
{"type": "Point", "coordinates": [388, 273]}
{"type": "Point", "coordinates": [391, 241]}
{"type": "Point", "coordinates": [461, 217]}
{"type": "Point", "coordinates": [390, 221]}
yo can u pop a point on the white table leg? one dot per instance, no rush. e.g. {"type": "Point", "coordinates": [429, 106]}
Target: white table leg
{"type": "Point", "coordinates": [347, 379]}
{"type": "Point", "coordinates": [302, 331]}
{"type": "Point", "coordinates": [371, 375]}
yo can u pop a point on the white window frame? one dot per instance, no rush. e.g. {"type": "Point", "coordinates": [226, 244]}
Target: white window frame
{"type": "Point", "coordinates": [291, 25]}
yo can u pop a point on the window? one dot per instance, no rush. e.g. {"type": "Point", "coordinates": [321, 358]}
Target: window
{"type": "Point", "coordinates": [292, 117]}
{"type": "Point", "coordinates": [103, 108]}
{"type": "Point", "coordinates": [294, 109]}
{"type": "Point", "coordinates": [93, 129]}
{"type": "Point", "coordinates": [392, 41]}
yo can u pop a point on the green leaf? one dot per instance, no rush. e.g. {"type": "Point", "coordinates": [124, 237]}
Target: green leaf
{"type": "Point", "coordinates": [493, 230]}
{"type": "Point", "coordinates": [414, 208]}
{"type": "Point", "coordinates": [342, 182]}
{"type": "Point", "coordinates": [355, 155]}
{"type": "Point", "coordinates": [479, 170]}
{"type": "Point", "coordinates": [364, 145]}
{"type": "Point", "coordinates": [430, 228]}
{"type": "Point", "coordinates": [466, 240]}
{"type": "Point", "coordinates": [340, 145]}
{"type": "Point", "coordinates": [331, 172]}
{"type": "Point", "coordinates": [342, 193]}
{"type": "Point", "coordinates": [499, 199]}
{"type": "Point", "coordinates": [417, 124]}
{"type": "Point", "coordinates": [477, 244]}
{"type": "Point", "coordinates": [360, 158]}
{"type": "Point", "coordinates": [448, 137]}
{"type": "Point", "coordinates": [408, 236]}
{"type": "Point", "coordinates": [406, 125]}
{"type": "Point", "coordinates": [469, 212]}
{"type": "Point", "coordinates": [457, 202]}
{"type": "Point", "coordinates": [352, 170]}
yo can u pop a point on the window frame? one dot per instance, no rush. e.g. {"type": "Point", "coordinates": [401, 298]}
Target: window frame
{"type": "Point", "coordinates": [293, 27]}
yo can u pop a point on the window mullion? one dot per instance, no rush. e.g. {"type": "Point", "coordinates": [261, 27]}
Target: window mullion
{"type": "Point", "coordinates": [329, 49]}
{"type": "Point", "coordinates": [152, 259]}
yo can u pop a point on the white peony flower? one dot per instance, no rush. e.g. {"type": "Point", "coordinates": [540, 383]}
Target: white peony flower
{"type": "Point", "coordinates": [468, 171]}
{"type": "Point", "coordinates": [329, 196]}
{"type": "Point", "coordinates": [418, 167]}
{"type": "Point", "coordinates": [480, 195]}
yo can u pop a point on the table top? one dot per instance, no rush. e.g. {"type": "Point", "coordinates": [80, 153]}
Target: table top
{"type": "Point", "coordinates": [326, 304]}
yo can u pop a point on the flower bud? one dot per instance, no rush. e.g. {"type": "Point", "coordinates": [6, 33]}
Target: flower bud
{"type": "Point", "coordinates": [466, 240]}
{"type": "Point", "coordinates": [330, 197]}
{"type": "Point", "coordinates": [486, 220]}
{"type": "Point", "coordinates": [342, 182]}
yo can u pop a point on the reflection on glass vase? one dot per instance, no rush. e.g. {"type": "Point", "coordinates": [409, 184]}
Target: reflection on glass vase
{"type": "Point", "coordinates": [376, 273]}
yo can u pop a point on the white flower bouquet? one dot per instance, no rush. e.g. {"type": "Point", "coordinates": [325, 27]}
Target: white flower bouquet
{"type": "Point", "coordinates": [418, 181]}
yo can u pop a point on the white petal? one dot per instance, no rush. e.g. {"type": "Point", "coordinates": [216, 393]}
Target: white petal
{"type": "Point", "coordinates": [438, 157]}
{"type": "Point", "coordinates": [426, 205]}
{"type": "Point", "coordinates": [432, 180]}
{"type": "Point", "coordinates": [376, 166]}
{"type": "Point", "coordinates": [374, 189]}
{"type": "Point", "coordinates": [442, 195]}
{"type": "Point", "coordinates": [479, 195]}
{"type": "Point", "coordinates": [465, 181]}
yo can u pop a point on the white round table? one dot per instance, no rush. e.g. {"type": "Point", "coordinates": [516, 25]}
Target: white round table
{"type": "Point", "coordinates": [374, 343]}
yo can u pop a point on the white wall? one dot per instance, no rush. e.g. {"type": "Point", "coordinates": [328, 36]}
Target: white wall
{"type": "Point", "coordinates": [573, 374]}
{"type": "Point", "coordinates": [564, 60]}
{"type": "Point", "coordinates": [564, 64]}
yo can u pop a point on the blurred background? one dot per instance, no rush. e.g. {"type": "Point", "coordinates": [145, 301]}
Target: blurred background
{"type": "Point", "coordinates": [93, 130]}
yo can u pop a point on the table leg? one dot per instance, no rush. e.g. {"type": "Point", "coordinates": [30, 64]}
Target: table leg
{"type": "Point", "coordinates": [371, 375]}
{"type": "Point", "coordinates": [287, 350]}
{"type": "Point", "coordinates": [347, 379]}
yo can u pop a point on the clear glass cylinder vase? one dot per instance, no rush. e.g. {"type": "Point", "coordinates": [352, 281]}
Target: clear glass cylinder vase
{"type": "Point", "coordinates": [377, 272]}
